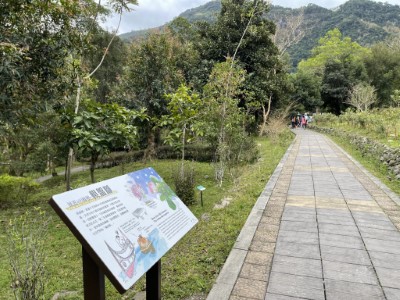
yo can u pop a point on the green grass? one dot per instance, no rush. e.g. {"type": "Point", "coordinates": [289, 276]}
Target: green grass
{"type": "Point", "coordinates": [192, 265]}
{"type": "Point", "coordinates": [372, 164]}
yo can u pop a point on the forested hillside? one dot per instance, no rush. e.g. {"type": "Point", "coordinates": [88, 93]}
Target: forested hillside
{"type": "Point", "coordinates": [366, 22]}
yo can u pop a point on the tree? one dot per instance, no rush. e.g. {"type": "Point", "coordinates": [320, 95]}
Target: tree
{"type": "Point", "coordinates": [99, 128]}
{"type": "Point", "coordinates": [222, 121]}
{"type": "Point", "coordinates": [111, 68]}
{"type": "Point", "coordinates": [36, 38]}
{"type": "Point", "coordinates": [289, 31]}
{"type": "Point", "coordinates": [336, 65]}
{"type": "Point", "coordinates": [83, 76]}
{"type": "Point", "coordinates": [333, 46]}
{"type": "Point", "coordinates": [396, 98]}
{"type": "Point", "coordinates": [183, 109]}
{"type": "Point", "coordinates": [335, 86]}
{"type": "Point", "coordinates": [383, 67]}
{"type": "Point", "coordinates": [362, 96]}
{"type": "Point", "coordinates": [307, 90]}
{"type": "Point", "coordinates": [154, 68]}
{"type": "Point", "coordinates": [243, 22]}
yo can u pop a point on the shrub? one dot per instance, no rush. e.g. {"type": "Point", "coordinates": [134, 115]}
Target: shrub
{"type": "Point", "coordinates": [26, 236]}
{"type": "Point", "coordinates": [184, 185]}
{"type": "Point", "coordinates": [14, 189]}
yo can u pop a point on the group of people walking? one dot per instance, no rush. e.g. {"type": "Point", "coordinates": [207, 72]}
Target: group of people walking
{"type": "Point", "coordinates": [300, 120]}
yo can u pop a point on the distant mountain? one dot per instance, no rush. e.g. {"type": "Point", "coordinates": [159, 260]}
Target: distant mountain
{"type": "Point", "coordinates": [365, 21]}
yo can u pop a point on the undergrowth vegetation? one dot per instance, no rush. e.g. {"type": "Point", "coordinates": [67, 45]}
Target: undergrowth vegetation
{"type": "Point", "coordinates": [382, 125]}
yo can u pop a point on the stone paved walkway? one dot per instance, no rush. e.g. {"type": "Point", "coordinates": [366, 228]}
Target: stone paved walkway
{"type": "Point", "coordinates": [323, 228]}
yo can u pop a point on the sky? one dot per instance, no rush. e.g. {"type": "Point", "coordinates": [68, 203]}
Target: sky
{"type": "Point", "coordinates": [153, 13]}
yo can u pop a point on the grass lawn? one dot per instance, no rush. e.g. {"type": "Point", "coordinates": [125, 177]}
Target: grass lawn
{"type": "Point", "coordinates": [191, 267]}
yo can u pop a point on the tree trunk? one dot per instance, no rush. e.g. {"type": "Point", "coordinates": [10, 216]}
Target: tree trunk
{"type": "Point", "coordinates": [150, 151]}
{"type": "Point", "coordinates": [93, 160]}
{"type": "Point", "coordinates": [183, 151]}
{"type": "Point", "coordinates": [266, 113]}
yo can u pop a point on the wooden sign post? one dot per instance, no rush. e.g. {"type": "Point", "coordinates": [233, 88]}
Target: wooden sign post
{"type": "Point", "coordinates": [125, 225]}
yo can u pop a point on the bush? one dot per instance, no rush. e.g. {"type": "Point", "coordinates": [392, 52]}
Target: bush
{"type": "Point", "coordinates": [184, 185]}
{"type": "Point", "coordinates": [26, 237]}
{"type": "Point", "coordinates": [14, 189]}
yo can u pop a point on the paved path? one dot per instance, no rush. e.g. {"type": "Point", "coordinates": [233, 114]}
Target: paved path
{"type": "Point", "coordinates": [62, 173]}
{"type": "Point", "coordinates": [323, 228]}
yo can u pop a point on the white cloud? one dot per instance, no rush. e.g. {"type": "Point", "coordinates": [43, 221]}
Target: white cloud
{"type": "Point", "coordinates": [152, 13]}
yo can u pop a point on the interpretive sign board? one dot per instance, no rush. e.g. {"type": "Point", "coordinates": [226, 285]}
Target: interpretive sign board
{"type": "Point", "coordinates": [126, 223]}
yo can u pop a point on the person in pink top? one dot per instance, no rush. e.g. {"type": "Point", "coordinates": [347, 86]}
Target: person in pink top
{"type": "Point", "coordinates": [303, 122]}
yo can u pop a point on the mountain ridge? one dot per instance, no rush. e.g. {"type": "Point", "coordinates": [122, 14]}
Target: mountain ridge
{"type": "Point", "coordinates": [364, 21]}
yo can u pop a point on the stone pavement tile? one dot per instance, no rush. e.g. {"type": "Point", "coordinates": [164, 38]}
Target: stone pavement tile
{"type": "Point", "coordinates": [278, 194]}
{"type": "Point", "coordinates": [254, 271]}
{"type": "Point", "coordinates": [389, 277]}
{"type": "Point", "coordinates": [382, 245]}
{"type": "Point", "coordinates": [370, 215]}
{"type": "Point", "coordinates": [331, 205]}
{"type": "Point", "coordinates": [260, 246]}
{"type": "Point", "coordinates": [356, 195]}
{"type": "Point", "coordinates": [270, 296]}
{"type": "Point", "coordinates": [297, 266]}
{"type": "Point", "coordinates": [301, 192]}
{"type": "Point", "coordinates": [328, 228]}
{"type": "Point", "coordinates": [270, 220]}
{"type": "Point", "coordinates": [343, 241]}
{"type": "Point", "coordinates": [336, 212]}
{"type": "Point", "coordinates": [280, 190]}
{"type": "Point", "coordinates": [389, 205]}
{"type": "Point", "coordinates": [300, 198]}
{"type": "Point", "coordinates": [265, 237]}
{"type": "Point", "coordinates": [298, 217]}
{"type": "Point", "coordinates": [298, 237]}
{"type": "Point", "coordinates": [379, 234]}
{"type": "Point", "coordinates": [344, 290]}
{"type": "Point", "coordinates": [298, 250]}
{"type": "Point", "coordinates": [264, 228]}
{"type": "Point", "coordinates": [296, 286]}
{"type": "Point", "coordinates": [298, 185]}
{"type": "Point", "coordinates": [250, 288]}
{"type": "Point", "coordinates": [271, 212]}
{"type": "Point", "coordinates": [299, 226]}
{"type": "Point", "coordinates": [393, 213]}
{"type": "Point", "coordinates": [324, 200]}
{"type": "Point", "coordinates": [364, 208]}
{"type": "Point", "coordinates": [328, 193]}
{"type": "Point", "coordinates": [345, 255]}
{"type": "Point", "coordinates": [237, 298]}
{"type": "Point", "coordinates": [392, 294]}
{"type": "Point", "coordinates": [277, 203]}
{"type": "Point", "coordinates": [367, 203]}
{"type": "Point", "coordinates": [260, 258]}
{"type": "Point", "coordinates": [307, 204]}
{"type": "Point", "coordinates": [383, 223]}
{"type": "Point", "coordinates": [341, 220]}
{"type": "Point", "coordinates": [349, 272]}
{"type": "Point", "coordinates": [292, 208]}
{"type": "Point", "coordinates": [385, 260]}
{"type": "Point", "coordinates": [324, 182]}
